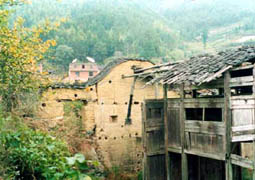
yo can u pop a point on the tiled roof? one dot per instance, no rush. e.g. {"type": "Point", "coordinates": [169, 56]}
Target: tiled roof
{"type": "Point", "coordinates": [203, 68]}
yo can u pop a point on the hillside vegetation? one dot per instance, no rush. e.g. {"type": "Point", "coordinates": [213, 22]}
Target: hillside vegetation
{"type": "Point", "coordinates": [151, 29]}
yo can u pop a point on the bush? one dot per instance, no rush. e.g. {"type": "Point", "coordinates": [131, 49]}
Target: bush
{"type": "Point", "coordinates": [31, 154]}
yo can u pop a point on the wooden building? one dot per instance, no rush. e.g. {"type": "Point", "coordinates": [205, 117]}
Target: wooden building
{"type": "Point", "coordinates": [209, 132]}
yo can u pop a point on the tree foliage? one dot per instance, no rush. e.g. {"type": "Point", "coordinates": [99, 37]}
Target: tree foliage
{"type": "Point", "coordinates": [21, 49]}
{"type": "Point", "coordinates": [99, 28]}
{"type": "Point", "coordinates": [139, 28]}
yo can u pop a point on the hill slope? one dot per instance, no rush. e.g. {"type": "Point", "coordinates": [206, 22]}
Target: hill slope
{"type": "Point", "coordinates": [151, 29]}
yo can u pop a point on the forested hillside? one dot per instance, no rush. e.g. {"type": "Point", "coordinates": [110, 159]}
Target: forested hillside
{"type": "Point", "coordinates": [153, 29]}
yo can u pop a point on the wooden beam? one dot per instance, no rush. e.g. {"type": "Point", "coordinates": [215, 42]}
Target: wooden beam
{"type": "Point", "coordinates": [227, 121]}
{"type": "Point", "coordinates": [174, 150]}
{"type": "Point", "coordinates": [153, 67]}
{"type": "Point", "coordinates": [152, 73]}
{"type": "Point", "coordinates": [143, 106]}
{"type": "Point", "coordinates": [182, 131]}
{"type": "Point", "coordinates": [243, 128]}
{"type": "Point", "coordinates": [156, 153]}
{"type": "Point", "coordinates": [240, 161]}
{"type": "Point", "coordinates": [128, 119]}
{"type": "Point", "coordinates": [217, 75]}
{"type": "Point", "coordinates": [242, 67]}
{"type": "Point", "coordinates": [218, 156]}
{"type": "Point", "coordinates": [166, 132]}
{"type": "Point", "coordinates": [205, 127]}
{"type": "Point", "coordinates": [253, 94]}
{"type": "Point", "coordinates": [244, 138]}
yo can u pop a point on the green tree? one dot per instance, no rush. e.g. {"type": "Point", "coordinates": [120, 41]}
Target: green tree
{"type": "Point", "coordinates": [63, 56]}
{"type": "Point", "coordinates": [20, 50]}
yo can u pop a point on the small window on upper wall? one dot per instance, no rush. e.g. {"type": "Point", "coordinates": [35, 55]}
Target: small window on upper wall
{"type": "Point", "coordinates": [83, 66]}
{"type": "Point", "coordinates": [194, 114]}
{"type": "Point", "coordinates": [90, 73]}
{"type": "Point", "coordinates": [155, 113]}
{"type": "Point", "coordinates": [213, 114]}
{"type": "Point", "coordinates": [113, 118]}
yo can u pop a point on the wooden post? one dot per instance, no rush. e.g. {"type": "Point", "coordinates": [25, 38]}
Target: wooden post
{"type": "Point", "coordinates": [253, 93]}
{"type": "Point", "coordinates": [144, 141]}
{"type": "Point", "coordinates": [156, 90]}
{"type": "Point", "coordinates": [128, 119]}
{"type": "Point", "coordinates": [227, 120]}
{"type": "Point", "coordinates": [166, 131]}
{"type": "Point", "coordinates": [194, 93]}
{"type": "Point", "coordinates": [182, 121]}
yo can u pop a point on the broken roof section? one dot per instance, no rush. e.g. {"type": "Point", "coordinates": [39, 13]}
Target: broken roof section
{"type": "Point", "coordinates": [200, 69]}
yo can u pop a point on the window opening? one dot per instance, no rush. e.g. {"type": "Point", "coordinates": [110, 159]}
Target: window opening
{"type": "Point", "coordinates": [155, 112]}
{"type": "Point", "coordinates": [243, 90]}
{"type": "Point", "coordinates": [77, 74]}
{"type": "Point", "coordinates": [114, 119]}
{"type": "Point", "coordinates": [204, 114]}
{"type": "Point", "coordinates": [83, 66]}
{"type": "Point", "coordinates": [194, 114]}
{"type": "Point", "coordinates": [241, 73]}
{"type": "Point", "coordinates": [91, 73]}
{"type": "Point", "coordinates": [213, 114]}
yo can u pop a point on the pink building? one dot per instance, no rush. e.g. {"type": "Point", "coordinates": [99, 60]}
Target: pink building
{"type": "Point", "coordinates": [82, 71]}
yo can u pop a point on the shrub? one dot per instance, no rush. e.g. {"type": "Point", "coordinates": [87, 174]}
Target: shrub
{"type": "Point", "coordinates": [31, 154]}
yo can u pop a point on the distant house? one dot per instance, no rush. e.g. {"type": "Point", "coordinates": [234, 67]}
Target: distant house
{"type": "Point", "coordinates": [82, 71]}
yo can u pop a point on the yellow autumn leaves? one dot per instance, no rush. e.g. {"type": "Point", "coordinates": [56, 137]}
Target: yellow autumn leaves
{"type": "Point", "coordinates": [21, 49]}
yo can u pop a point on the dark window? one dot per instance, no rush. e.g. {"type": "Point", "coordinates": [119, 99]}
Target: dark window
{"type": "Point", "coordinates": [241, 73]}
{"type": "Point", "coordinates": [243, 90]}
{"type": "Point", "coordinates": [213, 114]}
{"type": "Point", "coordinates": [194, 114]}
{"type": "Point", "coordinates": [155, 113]}
{"type": "Point", "coordinates": [77, 74]}
{"type": "Point", "coordinates": [113, 119]}
{"type": "Point", "coordinates": [90, 73]}
{"type": "Point", "coordinates": [83, 66]}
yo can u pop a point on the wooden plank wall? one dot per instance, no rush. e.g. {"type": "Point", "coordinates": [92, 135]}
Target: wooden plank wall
{"type": "Point", "coordinates": [173, 124]}
{"type": "Point", "coordinates": [154, 141]}
{"type": "Point", "coordinates": [205, 138]}
{"type": "Point", "coordinates": [243, 120]}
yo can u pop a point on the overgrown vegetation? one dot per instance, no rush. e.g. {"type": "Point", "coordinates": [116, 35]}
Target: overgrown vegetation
{"type": "Point", "coordinates": [26, 152]}
{"type": "Point", "coordinates": [31, 154]}
{"type": "Point", "coordinates": [20, 50]}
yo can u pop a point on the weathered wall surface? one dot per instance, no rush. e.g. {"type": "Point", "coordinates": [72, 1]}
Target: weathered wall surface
{"type": "Point", "coordinates": [52, 101]}
{"type": "Point", "coordinates": [105, 112]}
{"type": "Point", "coordinates": [120, 143]}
